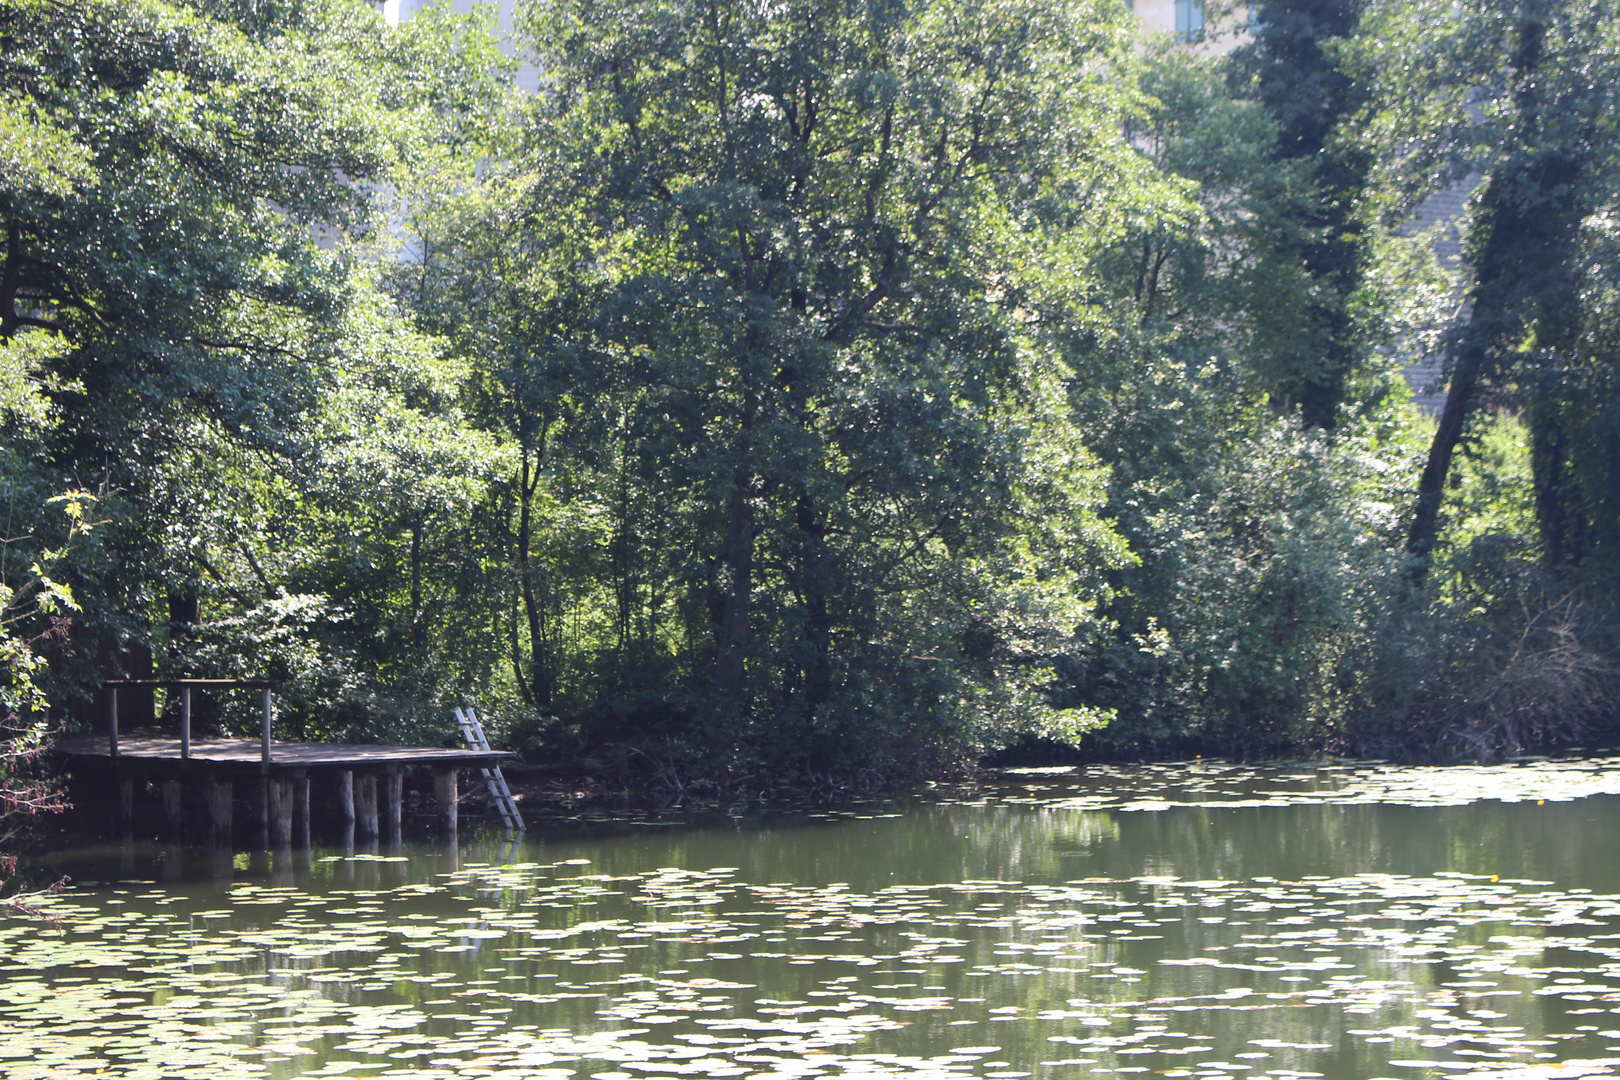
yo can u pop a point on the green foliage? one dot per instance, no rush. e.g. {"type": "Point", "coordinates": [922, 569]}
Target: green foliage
{"type": "Point", "coordinates": [1573, 407]}
{"type": "Point", "coordinates": [1318, 319]}
{"type": "Point", "coordinates": [34, 609]}
{"type": "Point", "coordinates": [1492, 500]}
{"type": "Point", "coordinates": [1267, 572]}
{"type": "Point", "coordinates": [1269, 567]}
{"type": "Point", "coordinates": [1522, 92]}
{"type": "Point", "coordinates": [187, 317]}
{"type": "Point", "coordinates": [794, 474]}
{"type": "Point", "coordinates": [820, 383]}
{"type": "Point", "coordinates": [1319, 230]}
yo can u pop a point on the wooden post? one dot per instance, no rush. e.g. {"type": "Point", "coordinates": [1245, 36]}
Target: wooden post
{"type": "Point", "coordinates": [365, 806]}
{"type": "Point", "coordinates": [281, 812]}
{"type": "Point", "coordinates": [259, 811]}
{"type": "Point", "coordinates": [301, 811]}
{"type": "Point", "coordinates": [112, 722]}
{"type": "Point", "coordinates": [126, 802]}
{"type": "Point", "coordinates": [219, 809]}
{"type": "Point", "coordinates": [185, 723]}
{"type": "Point", "coordinates": [444, 789]}
{"type": "Point", "coordinates": [345, 794]}
{"type": "Point", "coordinates": [393, 806]}
{"type": "Point", "coordinates": [269, 715]}
{"type": "Point", "coordinates": [173, 807]}
{"type": "Point", "coordinates": [224, 865]}
{"type": "Point", "coordinates": [283, 864]}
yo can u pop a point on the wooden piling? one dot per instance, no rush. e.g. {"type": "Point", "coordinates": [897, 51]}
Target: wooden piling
{"type": "Point", "coordinates": [444, 790]}
{"type": "Point", "coordinates": [173, 807]}
{"type": "Point", "coordinates": [220, 793]}
{"type": "Point", "coordinates": [283, 866]}
{"type": "Point", "coordinates": [394, 807]}
{"type": "Point", "coordinates": [281, 812]}
{"type": "Point", "coordinates": [223, 865]}
{"type": "Point", "coordinates": [264, 735]}
{"type": "Point", "coordinates": [259, 811]}
{"type": "Point", "coordinates": [185, 722]}
{"type": "Point", "coordinates": [345, 796]}
{"type": "Point", "coordinates": [365, 806]}
{"type": "Point", "coordinates": [301, 811]}
{"type": "Point", "coordinates": [218, 764]}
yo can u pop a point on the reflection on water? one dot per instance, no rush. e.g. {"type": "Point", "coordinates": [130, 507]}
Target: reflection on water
{"type": "Point", "coordinates": [1191, 921]}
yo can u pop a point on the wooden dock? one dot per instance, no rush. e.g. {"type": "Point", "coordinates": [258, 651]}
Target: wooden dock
{"type": "Point", "coordinates": [274, 776]}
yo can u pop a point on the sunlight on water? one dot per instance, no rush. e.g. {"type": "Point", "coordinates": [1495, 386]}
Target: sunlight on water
{"type": "Point", "coordinates": [1198, 920]}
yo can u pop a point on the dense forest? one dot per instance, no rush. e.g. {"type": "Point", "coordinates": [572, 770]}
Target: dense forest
{"type": "Point", "coordinates": [855, 386]}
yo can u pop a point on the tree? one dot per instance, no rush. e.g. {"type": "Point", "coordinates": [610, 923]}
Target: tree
{"type": "Point", "coordinates": [800, 260]}
{"type": "Point", "coordinates": [1291, 69]}
{"type": "Point", "coordinates": [186, 288]}
{"type": "Point", "coordinates": [171, 265]}
{"type": "Point", "coordinates": [1524, 93]}
{"type": "Point", "coordinates": [1262, 578]}
{"type": "Point", "coordinates": [34, 609]}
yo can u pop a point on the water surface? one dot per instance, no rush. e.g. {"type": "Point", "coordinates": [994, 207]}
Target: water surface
{"type": "Point", "coordinates": [1196, 920]}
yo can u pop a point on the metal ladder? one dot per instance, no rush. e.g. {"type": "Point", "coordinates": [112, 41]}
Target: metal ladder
{"type": "Point", "coordinates": [472, 732]}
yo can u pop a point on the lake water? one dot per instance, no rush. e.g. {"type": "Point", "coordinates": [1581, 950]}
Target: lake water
{"type": "Point", "coordinates": [1194, 920]}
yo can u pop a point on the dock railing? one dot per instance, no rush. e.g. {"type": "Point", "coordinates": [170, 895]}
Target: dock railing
{"type": "Point", "coordinates": [185, 687]}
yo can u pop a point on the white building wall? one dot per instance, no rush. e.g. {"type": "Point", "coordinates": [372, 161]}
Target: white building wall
{"type": "Point", "coordinates": [1177, 16]}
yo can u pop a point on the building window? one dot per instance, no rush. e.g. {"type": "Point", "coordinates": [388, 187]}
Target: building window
{"type": "Point", "coordinates": [1189, 20]}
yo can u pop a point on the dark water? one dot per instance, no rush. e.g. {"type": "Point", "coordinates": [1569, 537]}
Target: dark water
{"type": "Point", "coordinates": [1187, 921]}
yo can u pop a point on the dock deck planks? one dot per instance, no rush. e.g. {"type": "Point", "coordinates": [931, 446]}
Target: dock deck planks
{"type": "Point", "coordinates": [246, 754]}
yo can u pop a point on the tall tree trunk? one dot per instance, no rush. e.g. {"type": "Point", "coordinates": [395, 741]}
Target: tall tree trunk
{"type": "Point", "coordinates": [731, 628]}
{"type": "Point", "coordinates": [416, 583]}
{"type": "Point", "coordinates": [185, 612]}
{"type": "Point", "coordinates": [731, 633]}
{"type": "Point", "coordinates": [1311, 99]}
{"type": "Point", "coordinates": [540, 682]}
{"type": "Point", "coordinates": [519, 674]}
{"type": "Point", "coordinates": [622, 560]}
{"type": "Point", "coordinates": [1524, 275]}
{"type": "Point", "coordinates": [817, 626]}
{"type": "Point", "coordinates": [10, 281]}
{"type": "Point", "coordinates": [1425, 528]}
{"type": "Point", "coordinates": [1561, 504]}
